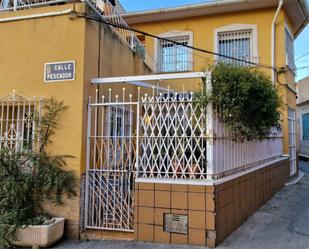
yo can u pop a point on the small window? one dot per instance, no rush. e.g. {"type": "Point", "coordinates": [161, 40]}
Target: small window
{"type": "Point", "coordinates": [17, 122]}
{"type": "Point", "coordinates": [305, 119]}
{"type": "Point", "coordinates": [237, 44]}
{"type": "Point", "coordinates": [16, 127]}
{"type": "Point", "coordinates": [173, 57]}
{"type": "Point", "coordinates": [289, 47]}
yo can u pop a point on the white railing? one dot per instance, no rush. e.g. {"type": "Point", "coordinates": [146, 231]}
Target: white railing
{"type": "Point", "coordinates": [7, 5]}
{"type": "Point", "coordinates": [180, 139]}
{"type": "Point", "coordinates": [231, 156]}
{"type": "Point", "coordinates": [173, 136]}
{"type": "Point", "coordinates": [245, 60]}
{"type": "Point", "coordinates": [109, 13]}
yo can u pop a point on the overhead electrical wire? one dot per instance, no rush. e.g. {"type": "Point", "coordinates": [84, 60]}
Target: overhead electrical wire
{"type": "Point", "coordinates": [98, 19]}
{"type": "Point", "coordinates": [300, 68]}
{"type": "Point", "coordinates": [302, 56]}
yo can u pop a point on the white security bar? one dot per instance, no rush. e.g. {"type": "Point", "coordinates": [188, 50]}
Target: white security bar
{"type": "Point", "coordinates": [153, 77]}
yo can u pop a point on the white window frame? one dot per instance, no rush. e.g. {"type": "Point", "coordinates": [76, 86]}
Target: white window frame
{"type": "Point", "coordinates": [173, 34]}
{"type": "Point", "coordinates": [288, 31]}
{"type": "Point", "coordinates": [238, 27]}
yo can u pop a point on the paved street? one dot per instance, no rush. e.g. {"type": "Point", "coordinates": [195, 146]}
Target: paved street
{"type": "Point", "coordinates": [283, 223]}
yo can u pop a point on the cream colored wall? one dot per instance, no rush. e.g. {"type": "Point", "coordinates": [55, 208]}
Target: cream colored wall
{"type": "Point", "coordinates": [302, 108]}
{"type": "Point", "coordinates": [303, 90]}
{"type": "Point", "coordinates": [303, 144]}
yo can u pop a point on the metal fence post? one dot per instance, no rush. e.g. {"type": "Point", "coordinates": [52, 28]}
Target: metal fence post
{"type": "Point", "coordinates": [209, 130]}
{"type": "Point", "coordinates": [87, 162]}
{"type": "Point", "coordinates": [137, 131]}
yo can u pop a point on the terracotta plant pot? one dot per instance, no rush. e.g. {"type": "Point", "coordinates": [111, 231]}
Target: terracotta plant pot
{"type": "Point", "coordinates": [40, 236]}
{"type": "Point", "coordinates": [194, 170]}
{"type": "Point", "coordinates": [177, 169]}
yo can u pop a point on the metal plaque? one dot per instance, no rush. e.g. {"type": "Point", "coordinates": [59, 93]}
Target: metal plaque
{"type": "Point", "coordinates": [59, 71]}
{"type": "Point", "coordinates": [176, 223]}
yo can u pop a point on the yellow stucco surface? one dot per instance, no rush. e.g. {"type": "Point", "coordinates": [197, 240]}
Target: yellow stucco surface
{"type": "Point", "coordinates": [203, 29]}
{"type": "Point", "coordinates": [26, 45]}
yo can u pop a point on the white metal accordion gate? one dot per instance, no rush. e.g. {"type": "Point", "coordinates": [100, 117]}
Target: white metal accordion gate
{"type": "Point", "coordinates": [111, 158]}
{"type": "Point", "coordinates": [158, 136]}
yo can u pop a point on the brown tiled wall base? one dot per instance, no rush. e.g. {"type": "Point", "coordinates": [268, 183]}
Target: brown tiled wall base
{"type": "Point", "coordinates": [213, 211]}
{"type": "Point", "coordinates": [237, 199]}
{"type": "Point", "coordinates": [153, 200]}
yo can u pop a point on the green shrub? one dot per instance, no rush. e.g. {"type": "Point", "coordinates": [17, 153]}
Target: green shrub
{"type": "Point", "coordinates": [246, 100]}
{"type": "Point", "coordinates": [29, 178]}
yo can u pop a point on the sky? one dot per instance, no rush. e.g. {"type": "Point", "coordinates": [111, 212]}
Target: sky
{"type": "Point", "coordinates": [301, 43]}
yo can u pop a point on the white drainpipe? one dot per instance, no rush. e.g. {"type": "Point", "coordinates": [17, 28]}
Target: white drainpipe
{"type": "Point", "coordinates": [273, 40]}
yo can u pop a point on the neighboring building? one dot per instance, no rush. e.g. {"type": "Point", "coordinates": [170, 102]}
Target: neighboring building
{"type": "Point", "coordinates": [247, 30]}
{"type": "Point", "coordinates": [150, 166]}
{"type": "Point", "coordinates": [257, 31]}
{"type": "Point", "coordinates": [303, 116]}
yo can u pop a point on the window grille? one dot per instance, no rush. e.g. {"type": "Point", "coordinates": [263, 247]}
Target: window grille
{"type": "Point", "coordinates": [17, 122]}
{"type": "Point", "coordinates": [173, 57]}
{"type": "Point", "coordinates": [289, 46]}
{"type": "Point", "coordinates": [237, 44]}
{"type": "Point", "coordinates": [173, 142]}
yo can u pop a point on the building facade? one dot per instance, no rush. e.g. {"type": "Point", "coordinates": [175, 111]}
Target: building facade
{"type": "Point", "coordinates": [261, 32]}
{"type": "Point", "coordinates": [303, 116]}
{"type": "Point", "coordinates": [149, 166]}
{"type": "Point", "coordinates": [31, 41]}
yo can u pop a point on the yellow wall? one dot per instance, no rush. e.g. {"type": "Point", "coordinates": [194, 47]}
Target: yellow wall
{"type": "Point", "coordinates": [24, 49]}
{"type": "Point", "coordinates": [28, 44]}
{"type": "Point", "coordinates": [203, 29]}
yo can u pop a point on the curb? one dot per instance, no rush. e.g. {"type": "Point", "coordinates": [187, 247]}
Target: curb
{"type": "Point", "coordinates": [295, 180]}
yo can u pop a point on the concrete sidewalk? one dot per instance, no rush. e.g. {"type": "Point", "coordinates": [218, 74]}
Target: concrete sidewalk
{"type": "Point", "coordinates": [282, 223]}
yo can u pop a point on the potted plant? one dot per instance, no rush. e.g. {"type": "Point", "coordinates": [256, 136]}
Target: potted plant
{"type": "Point", "coordinates": [29, 178]}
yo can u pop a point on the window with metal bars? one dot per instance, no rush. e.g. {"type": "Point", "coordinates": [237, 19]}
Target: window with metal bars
{"type": "Point", "coordinates": [173, 57]}
{"type": "Point", "coordinates": [17, 128]}
{"type": "Point", "coordinates": [17, 122]}
{"type": "Point", "coordinates": [289, 47]}
{"type": "Point", "coordinates": [237, 44]}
